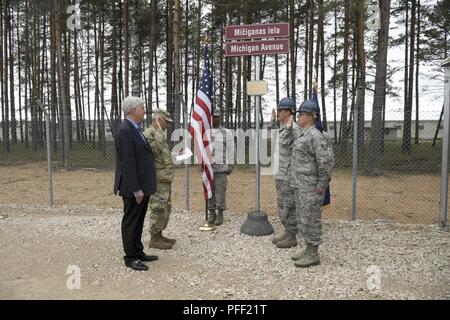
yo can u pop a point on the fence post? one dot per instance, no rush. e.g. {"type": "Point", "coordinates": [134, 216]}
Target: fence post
{"type": "Point", "coordinates": [445, 146]}
{"type": "Point", "coordinates": [355, 160]}
{"type": "Point", "coordinates": [49, 153]}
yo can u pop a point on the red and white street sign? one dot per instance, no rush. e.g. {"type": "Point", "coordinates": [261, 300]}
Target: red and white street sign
{"type": "Point", "coordinates": [256, 48]}
{"type": "Point", "coordinates": [257, 31]}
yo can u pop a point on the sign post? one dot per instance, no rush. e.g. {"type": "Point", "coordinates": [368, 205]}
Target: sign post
{"type": "Point", "coordinates": [257, 223]}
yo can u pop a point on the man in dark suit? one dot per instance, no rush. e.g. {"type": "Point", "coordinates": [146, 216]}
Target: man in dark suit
{"type": "Point", "coordinates": [135, 181]}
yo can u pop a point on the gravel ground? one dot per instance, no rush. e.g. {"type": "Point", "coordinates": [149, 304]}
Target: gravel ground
{"type": "Point", "coordinates": [38, 244]}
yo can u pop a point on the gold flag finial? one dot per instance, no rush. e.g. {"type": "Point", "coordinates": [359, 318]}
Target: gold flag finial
{"type": "Point", "coordinates": [205, 40]}
{"type": "Point", "coordinates": [316, 86]}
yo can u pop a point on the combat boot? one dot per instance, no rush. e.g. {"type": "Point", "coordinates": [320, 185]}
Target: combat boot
{"type": "Point", "coordinates": [156, 241]}
{"type": "Point", "coordinates": [278, 238]}
{"type": "Point", "coordinates": [211, 216]}
{"type": "Point", "coordinates": [288, 242]}
{"type": "Point", "coordinates": [171, 241]}
{"type": "Point", "coordinates": [298, 255]}
{"type": "Point", "coordinates": [311, 258]}
{"type": "Point", "coordinates": [219, 218]}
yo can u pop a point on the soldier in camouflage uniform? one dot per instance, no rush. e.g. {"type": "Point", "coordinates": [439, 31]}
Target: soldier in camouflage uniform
{"type": "Point", "coordinates": [223, 155]}
{"type": "Point", "coordinates": [311, 166]}
{"type": "Point", "coordinates": [285, 193]}
{"type": "Point", "coordinates": [160, 202]}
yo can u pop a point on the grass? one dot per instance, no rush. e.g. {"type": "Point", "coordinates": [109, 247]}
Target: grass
{"type": "Point", "coordinates": [424, 158]}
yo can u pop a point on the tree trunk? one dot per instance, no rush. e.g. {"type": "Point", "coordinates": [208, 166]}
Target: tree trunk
{"type": "Point", "coordinates": [6, 119]}
{"type": "Point", "coordinates": [27, 74]}
{"type": "Point", "coordinates": [11, 79]}
{"type": "Point", "coordinates": [186, 63]}
{"type": "Point", "coordinates": [322, 63]}
{"type": "Point", "coordinates": [151, 50]}
{"type": "Point", "coordinates": [277, 80]}
{"type": "Point", "coordinates": [19, 71]}
{"type": "Point", "coordinates": [54, 93]}
{"type": "Point", "coordinates": [169, 57]}
{"type": "Point", "coordinates": [136, 46]}
{"type": "Point", "coordinates": [228, 92]}
{"type": "Point", "coordinates": [238, 106]}
{"type": "Point", "coordinates": [406, 145]}
{"type": "Point", "coordinates": [305, 92]}
{"type": "Point", "coordinates": [438, 127]}
{"type": "Point", "coordinates": [115, 112]}
{"type": "Point", "coordinates": [292, 53]}
{"type": "Point", "coordinates": [405, 82]}
{"type": "Point", "coordinates": [2, 82]}
{"type": "Point", "coordinates": [156, 79]}
{"type": "Point", "coordinates": [61, 84]}
{"type": "Point", "coordinates": [66, 61]}
{"type": "Point", "coordinates": [177, 65]}
{"type": "Point", "coordinates": [334, 73]}
{"type": "Point", "coordinates": [311, 46]}
{"type": "Point", "coordinates": [417, 133]}
{"type": "Point", "coordinates": [343, 128]}
{"type": "Point", "coordinates": [197, 50]}
{"type": "Point", "coordinates": [101, 109]}
{"type": "Point", "coordinates": [360, 100]}
{"type": "Point", "coordinates": [126, 45]}
{"type": "Point", "coordinates": [376, 131]}
{"type": "Point", "coordinates": [220, 105]}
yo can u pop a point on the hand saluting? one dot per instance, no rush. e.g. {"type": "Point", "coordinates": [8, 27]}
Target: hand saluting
{"type": "Point", "coordinates": [157, 124]}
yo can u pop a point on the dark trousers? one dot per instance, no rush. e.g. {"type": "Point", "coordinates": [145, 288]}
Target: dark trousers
{"type": "Point", "coordinates": [132, 225]}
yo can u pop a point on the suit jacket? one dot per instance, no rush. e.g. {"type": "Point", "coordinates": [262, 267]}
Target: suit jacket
{"type": "Point", "coordinates": [135, 166]}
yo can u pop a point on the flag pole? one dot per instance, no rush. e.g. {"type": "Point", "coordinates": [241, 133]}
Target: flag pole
{"type": "Point", "coordinates": [207, 226]}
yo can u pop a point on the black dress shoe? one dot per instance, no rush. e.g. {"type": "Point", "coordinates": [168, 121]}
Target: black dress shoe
{"type": "Point", "coordinates": [136, 265]}
{"type": "Point", "coordinates": [146, 258]}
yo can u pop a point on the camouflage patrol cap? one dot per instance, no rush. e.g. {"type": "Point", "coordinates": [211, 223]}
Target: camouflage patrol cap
{"type": "Point", "coordinates": [309, 106]}
{"type": "Point", "coordinates": [286, 104]}
{"type": "Point", "coordinates": [162, 114]}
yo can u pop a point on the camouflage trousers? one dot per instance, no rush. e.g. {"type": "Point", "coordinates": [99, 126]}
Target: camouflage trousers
{"type": "Point", "coordinates": [308, 207]}
{"type": "Point", "coordinates": [286, 206]}
{"type": "Point", "coordinates": [218, 200]}
{"type": "Point", "coordinates": [160, 207]}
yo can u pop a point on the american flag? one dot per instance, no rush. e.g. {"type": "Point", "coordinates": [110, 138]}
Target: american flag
{"type": "Point", "coordinates": [200, 127]}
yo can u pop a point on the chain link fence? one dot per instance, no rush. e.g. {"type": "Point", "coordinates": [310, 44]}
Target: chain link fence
{"type": "Point", "coordinates": [403, 186]}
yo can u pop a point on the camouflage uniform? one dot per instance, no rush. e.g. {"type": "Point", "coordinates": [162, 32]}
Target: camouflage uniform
{"type": "Point", "coordinates": [286, 201]}
{"type": "Point", "coordinates": [223, 156]}
{"type": "Point", "coordinates": [160, 202]}
{"type": "Point", "coordinates": [311, 165]}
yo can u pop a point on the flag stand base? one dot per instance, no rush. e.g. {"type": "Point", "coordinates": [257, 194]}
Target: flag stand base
{"type": "Point", "coordinates": [257, 224]}
{"type": "Point", "coordinates": [207, 227]}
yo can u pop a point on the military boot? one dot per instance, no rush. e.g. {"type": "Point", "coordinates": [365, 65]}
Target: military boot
{"type": "Point", "coordinates": [311, 258]}
{"type": "Point", "coordinates": [219, 218]}
{"type": "Point", "coordinates": [211, 216]}
{"type": "Point", "coordinates": [171, 241]}
{"type": "Point", "coordinates": [278, 238]}
{"type": "Point", "coordinates": [156, 241]}
{"type": "Point", "coordinates": [298, 255]}
{"type": "Point", "coordinates": [288, 242]}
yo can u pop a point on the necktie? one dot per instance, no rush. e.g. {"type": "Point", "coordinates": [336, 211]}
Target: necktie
{"type": "Point", "coordinates": [141, 134]}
